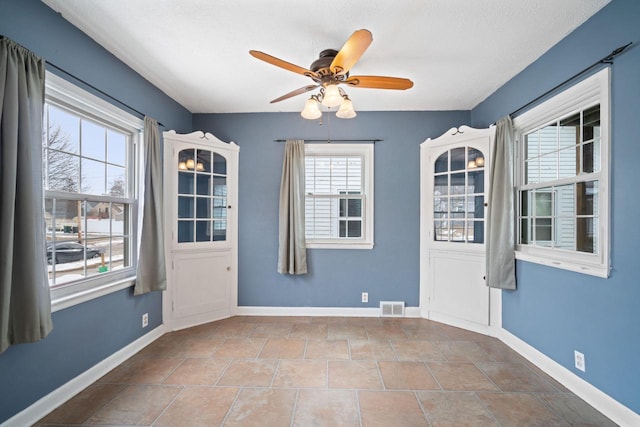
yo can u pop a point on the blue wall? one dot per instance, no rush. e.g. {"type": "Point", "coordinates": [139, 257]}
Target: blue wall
{"type": "Point", "coordinates": [558, 311]}
{"type": "Point", "coordinates": [87, 333]}
{"type": "Point", "coordinates": [390, 271]}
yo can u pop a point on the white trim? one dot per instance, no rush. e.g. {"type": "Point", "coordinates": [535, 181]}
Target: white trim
{"type": "Point", "coordinates": [590, 91]}
{"type": "Point", "coordinates": [413, 312]}
{"type": "Point", "coordinates": [62, 394]}
{"type": "Point", "coordinates": [66, 301]}
{"type": "Point", "coordinates": [601, 401]}
{"type": "Point", "coordinates": [366, 151]}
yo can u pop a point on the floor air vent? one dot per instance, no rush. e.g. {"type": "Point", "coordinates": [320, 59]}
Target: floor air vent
{"type": "Point", "coordinates": [392, 308]}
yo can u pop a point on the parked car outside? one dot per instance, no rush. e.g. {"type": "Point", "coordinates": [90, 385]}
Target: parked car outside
{"type": "Point", "coordinates": [70, 252]}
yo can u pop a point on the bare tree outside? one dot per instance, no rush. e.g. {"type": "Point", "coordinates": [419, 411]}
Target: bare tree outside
{"type": "Point", "coordinates": [117, 188]}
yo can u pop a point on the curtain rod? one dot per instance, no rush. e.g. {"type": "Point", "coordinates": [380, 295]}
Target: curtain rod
{"type": "Point", "coordinates": [98, 90]}
{"type": "Point", "coordinates": [374, 140]}
{"type": "Point", "coordinates": [606, 60]}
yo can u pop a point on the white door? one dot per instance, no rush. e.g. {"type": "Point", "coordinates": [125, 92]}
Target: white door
{"type": "Point", "coordinates": [454, 182]}
{"type": "Point", "coordinates": [200, 193]}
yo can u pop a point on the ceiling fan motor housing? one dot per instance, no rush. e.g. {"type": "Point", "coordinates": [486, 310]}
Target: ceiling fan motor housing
{"type": "Point", "coordinates": [322, 65]}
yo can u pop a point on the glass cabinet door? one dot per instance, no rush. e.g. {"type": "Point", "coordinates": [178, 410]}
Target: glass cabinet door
{"type": "Point", "coordinates": [202, 196]}
{"type": "Point", "coordinates": [458, 196]}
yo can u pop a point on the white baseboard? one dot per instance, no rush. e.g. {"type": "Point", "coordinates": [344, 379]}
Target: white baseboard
{"type": "Point", "coordinates": [51, 401]}
{"type": "Point", "coordinates": [320, 311]}
{"type": "Point", "coordinates": [604, 403]}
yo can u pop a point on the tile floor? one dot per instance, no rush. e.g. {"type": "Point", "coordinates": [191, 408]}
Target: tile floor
{"type": "Point", "coordinates": [310, 371]}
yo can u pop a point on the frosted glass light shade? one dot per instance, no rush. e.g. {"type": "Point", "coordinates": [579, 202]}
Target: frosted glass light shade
{"type": "Point", "coordinates": [182, 166]}
{"type": "Point", "coordinates": [346, 110]}
{"type": "Point", "coordinates": [332, 97]}
{"type": "Point", "coordinates": [191, 164]}
{"type": "Point", "coordinates": [311, 110]}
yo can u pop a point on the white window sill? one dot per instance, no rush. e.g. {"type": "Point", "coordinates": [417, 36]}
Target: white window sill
{"type": "Point", "coordinates": [344, 245]}
{"type": "Point", "coordinates": [66, 301]}
{"type": "Point", "coordinates": [571, 265]}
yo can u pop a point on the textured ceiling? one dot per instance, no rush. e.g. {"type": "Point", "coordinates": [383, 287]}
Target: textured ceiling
{"type": "Point", "coordinates": [457, 52]}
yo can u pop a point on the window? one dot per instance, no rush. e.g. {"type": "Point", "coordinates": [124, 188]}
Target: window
{"type": "Point", "coordinates": [458, 196]}
{"type": "Point", "coordinates": [563, 179]}
{"type": "Point", "coordinates": [202, 196]}
{"type": "Point", "coordinates": [89, 170]}
{"type": "Point", "coordinates": [339, 196]}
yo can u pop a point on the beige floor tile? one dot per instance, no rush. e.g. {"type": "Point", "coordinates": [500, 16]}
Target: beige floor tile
{"type": "Point", "coordinates": [354, 374]}
{"type": "Point", "coordinates": [385, 332]}
{"type": "Point", "coordinates": [371, 350]}
{"type": "Point", "coordinates": [301, 373]}
{"type": "Point", "coordinates": [427, 332]}
{"type": "Point", "coordinates": [455, 409]}
{"type": "Point", "coordinates": [266, 330]}
{"type": "Point", "coordinates": [84, 404]}
{"type": "Point", "coordinates": [262, 407]}
{"type": "Point", "coordinates": [346, 332]}
{"type": "Point", "coordinates": [249, 373]}
{"type": "Point", "coordinates": [136, 405]}
{"type": "Point", "coordinates": [330, 408]}
{"type": "Point", "coordinates": [500, 352]}
{"type": "Point", "coordinates": [407, 376]}
{"type": "Point", "coordinates": [520, 409]}
{"type": "Point", "coordinates": [327, 349]}
{"type": "Point", "coordinates": [575, 410]}
{"type": "Point", "coordinates": [142, 371]}
{"type": "Point", "coordinates": [460, 376]}
{"type": "Point", "coordinates": [390, 408]}
{"type": "Point", "coordinates": [205, 371]}
{"type": "Point", "coordinates": [198, 406]}
{"type": "Point", "coordinates": [463, 351]}
{"type": "Point", "coordinates": [240, 348]}
{"type": "Point", "coordinates": [515, 377]}
{"type": "Point", "coordinates": [236, 329]}
{"type": "Point", "coordinates": [284, 348]}
{"type": "Point", "coordinates": [417, 350]}
{"type": "Point", "coordinates": [309, 331]}
{"type": "Point", "coordinates": [459, 334]}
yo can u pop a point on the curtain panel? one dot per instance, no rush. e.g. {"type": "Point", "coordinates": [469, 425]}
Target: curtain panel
{"type": "Point", "coordinates": [25, 301]}
{"type": "Point", "coordinates": [292, 251]}
{"type": "Point", "coordinates": [501, 212]}
{"type": "Point", "coordinates": [151, 274]}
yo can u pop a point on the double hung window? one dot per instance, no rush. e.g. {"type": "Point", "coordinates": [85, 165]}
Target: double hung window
{"type": "Point", "coordinates": [89, 169]}
{"type": "Point", "coordinates": [563, 179]}
{"type": "Point", "coordinates": [339, 195]}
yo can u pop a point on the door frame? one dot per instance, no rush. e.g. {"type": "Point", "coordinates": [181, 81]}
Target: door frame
{"type": "Point", "coordinates": [452, 138]}
{"type": "Point", "coordinates": [173, 142]}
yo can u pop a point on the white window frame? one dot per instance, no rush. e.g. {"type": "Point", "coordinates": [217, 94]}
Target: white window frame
{"type": "Point", "coordinates": [590, 91]}
{"type": "Point", "coordinates": [365, 151]}
{"type": "Point", "coordinates": [61, 93]}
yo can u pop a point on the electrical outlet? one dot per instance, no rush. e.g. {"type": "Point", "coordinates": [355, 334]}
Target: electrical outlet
{"type": "Point", "coordinates": [145, 320]}
{"type": "Point", "coordinates": [579, 360]}
{"type": "Point", "coordinates": [365, 297]}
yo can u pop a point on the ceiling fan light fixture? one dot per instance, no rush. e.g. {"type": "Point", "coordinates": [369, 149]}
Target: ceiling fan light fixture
{"type": "Point", "coordinates": [311, 110]}
{"type": "Point", "coordinates": [331, 96]}
{"type": "Point", "coordinates": [346, 110]}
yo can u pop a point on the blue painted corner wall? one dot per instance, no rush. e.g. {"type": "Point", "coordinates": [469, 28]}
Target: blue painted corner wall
{"type": "Point", "coordinates": [87, 333]}
{"type": "Point", "coordinates": [558, 311]}
{"type": "Point", "coordinates": [388, 272]}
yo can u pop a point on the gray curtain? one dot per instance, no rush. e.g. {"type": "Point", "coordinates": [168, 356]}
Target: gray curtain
{"type": "Point", "coordinates": [25, 301]}
{"type": "Point", "coordinates": [152, 275]}
{"type": "Point", "coordinates": [500, 216]}
{"type": "Point", "coordinates": [292, 251]}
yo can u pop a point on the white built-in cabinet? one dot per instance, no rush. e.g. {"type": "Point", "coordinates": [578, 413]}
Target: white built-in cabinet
{"type": "Point", "coordinates": [201, 225]}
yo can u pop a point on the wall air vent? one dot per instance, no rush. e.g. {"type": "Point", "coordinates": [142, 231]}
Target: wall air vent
{"type": "Point", "coordinates": [392, 308]}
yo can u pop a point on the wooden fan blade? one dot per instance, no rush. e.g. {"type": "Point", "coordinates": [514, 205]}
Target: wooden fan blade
{"type": "Point", "coordinates": [351, 51]}
{"type": "Point", "coordinates": [295, 93]}
{"type": "Point", "coordinates": [379, 82]}
{"type": "Point", "coordinates": [282, 64]}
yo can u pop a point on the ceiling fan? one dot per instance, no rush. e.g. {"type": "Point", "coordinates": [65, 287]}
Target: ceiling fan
{"type": "Point", "coordinates": [331, 69]}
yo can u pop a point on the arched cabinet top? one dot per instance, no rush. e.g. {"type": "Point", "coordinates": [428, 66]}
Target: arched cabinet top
{"type": "Point", "coordinates": [462, 133]}
{"type": "Point", "coordinates": [200, 137]}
